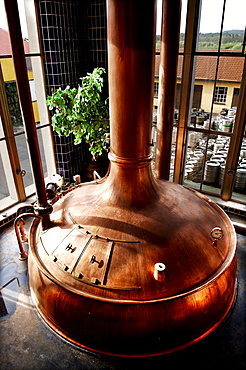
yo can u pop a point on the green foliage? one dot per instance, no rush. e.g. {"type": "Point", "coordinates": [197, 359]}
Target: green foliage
{"type": "Point", "coordinates": [13, 102]}
{"type": "Point", "coordinates": [231, 40]}
{"type": "Point", "coordinates": [82, 112]}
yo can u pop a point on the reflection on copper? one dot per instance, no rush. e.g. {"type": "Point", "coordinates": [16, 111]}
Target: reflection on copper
{"type": "Point", "coordinates": [92, 273]}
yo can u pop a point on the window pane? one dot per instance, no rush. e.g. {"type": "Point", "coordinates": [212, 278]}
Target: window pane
{"type": "Point", "coordinates": [234, 25]}
{"type": "Point", "coordinates": [8, 194]}
{"type": "Point", "coordinates": [14, 105]}
{"type": "Point", "coordinates": [42, 153]}
{"type": "Point", "coordinates": [24, 159]}
{"type": "Point", "coordinates": [210, 25]}
{"type": "Point", "coordinates": [28, 29]}
{"type": "Point", "coordinates": [226, 93]}
{"type": "Point", "coordinates": [205, 161]}
{"type": "Point", "coordinates": [173, 153]}
{"type": "Point", "coordinates": [158, 24]}
{"type": "Point", "coordinates": [195, 155]}
{"type": "Point", "coordinates": [217, 152]}
{"type": "Point", "coordinates": [205, 73]}
{"type": "Point", "coordinates": [4, 191]}
{"type": "Point", "coordinates": [239, 192]}
{"type": "Point", "coordinates": [182, 25]}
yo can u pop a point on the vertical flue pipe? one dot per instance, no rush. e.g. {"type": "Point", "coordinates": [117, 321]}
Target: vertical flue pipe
{"type": "Point", "coordinates": [131, 61]}
{"type": "Point", "coordinates": [18, 54]}
{"type": "Point", "coordinates": [167, 84]}
{"type": "Point", "coordinates": [131, 43]}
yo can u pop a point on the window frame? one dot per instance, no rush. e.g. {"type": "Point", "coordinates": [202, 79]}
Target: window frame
{"type": "Point", "coordinates": [188, 81]}
{"type": "Point", "coordinates": [44, 126]}
{"type": "Point", "coordinates": [220, 94]}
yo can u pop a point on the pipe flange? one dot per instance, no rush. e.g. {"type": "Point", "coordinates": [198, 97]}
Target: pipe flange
{"type": "Point", "coordinates": [42, 210]}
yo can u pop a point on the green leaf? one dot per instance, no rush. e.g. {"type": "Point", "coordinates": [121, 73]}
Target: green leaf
{"type": "Point", "coordinates": [82, 112]}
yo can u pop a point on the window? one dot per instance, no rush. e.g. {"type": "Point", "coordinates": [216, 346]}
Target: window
{"type": "Point", "coordinates": [220, 95]}
{"type": "Point", "coordinates": [210, 146]}
{"type": "Point", "coordinates": [15, 165]}
{"type": "Point", "coordinates": [156, 88]}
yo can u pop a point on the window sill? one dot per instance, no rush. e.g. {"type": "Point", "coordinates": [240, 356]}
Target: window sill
{"type": "Point", "coordinates": [10, 214]}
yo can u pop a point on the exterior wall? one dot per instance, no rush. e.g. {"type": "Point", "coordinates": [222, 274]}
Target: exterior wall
{"type": "Point", "coordinates": [8, 69]}
{"type": "Point", "coordinates": [9, 75]}
{"type": "Point", "coordinates": [207, 94]}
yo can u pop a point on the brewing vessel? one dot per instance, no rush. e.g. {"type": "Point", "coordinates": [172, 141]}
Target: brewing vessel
{"type": "Point", "coordinates": [132, 265]}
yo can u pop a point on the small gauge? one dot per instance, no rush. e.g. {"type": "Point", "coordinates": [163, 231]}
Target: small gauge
{"type": "Point", "coordinates": [217, 233]}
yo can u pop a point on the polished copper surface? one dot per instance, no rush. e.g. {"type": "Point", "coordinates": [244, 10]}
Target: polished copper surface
{"type": "Point", "coordinates": [130, 267]}
{"type": "Point", "coordinates": [92, 275]}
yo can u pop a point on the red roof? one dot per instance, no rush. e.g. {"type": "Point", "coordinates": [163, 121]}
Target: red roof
{"type": "Point", "coordinates": [5, 46]}
{"type": "Point", "coordinates": [230, 68]}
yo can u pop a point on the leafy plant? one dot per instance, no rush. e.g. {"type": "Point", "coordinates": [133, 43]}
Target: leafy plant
{"type": "Point", "coordinates": [82, 112]}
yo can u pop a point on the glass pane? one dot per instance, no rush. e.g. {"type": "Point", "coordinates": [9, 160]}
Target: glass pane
{"type": "Point", "coordinates": [205, 73]}
{"type": "Point", "coordinates": [14, 105]}
{"type": "Point", "coordinates": [9, 77]}
{"type": "Point", "coordinates": [1, 129]}
{"type": "Point", "coordinates": [4, 191]}
{"type": "Point", "coordinates": [210, 25]}
{"type": "Point", "coordinates": [8, 194]}
{"type": "Point", "coordinates": [173, 152]}
{"type": "Point", "coordinates": [239, 192]}
{"type": "Point", "coordinates": [205, 161]}
{"type": "Point", "coordinates": [217, 151]}
{"type": "Point", "coordinates": [158, 25]}
{"type": "Point", "coordinates": [41, 148]}
{"type": "Point", "coordinates": [38, 92]}
{"type": "Point", "coordinates": [195, 155]}
{"type": "Point", "coordinates": [4, 36]}
{"type": "Point", "coordinates": [24, 159]}
{"type": "Point", "coordinates": [234, 25]}
{"type": "Point", "coordinates": [226, 93]}
{"type": "Point", "coordinates": [28, 29]}
{"type": "Point", "coordinates": [182, 25]}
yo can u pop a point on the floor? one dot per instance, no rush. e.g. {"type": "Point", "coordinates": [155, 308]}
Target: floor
{"type": "Point", "coordinates": [27, 343]}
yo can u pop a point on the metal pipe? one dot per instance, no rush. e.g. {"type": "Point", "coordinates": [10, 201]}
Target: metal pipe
{"type": "Point", "coordinates": [131, 52]}
{"type": "Point", "coordinates": [22, 253]}
{"type": "Point", "coordinates": [171, 12]}
{"type": "Point", "coordinates": [18, 54]}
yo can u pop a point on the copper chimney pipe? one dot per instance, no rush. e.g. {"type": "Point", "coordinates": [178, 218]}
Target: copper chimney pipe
{"type": "Point", "coordinates": [171, 12]}
{"type": "Point", "coordinates": [131, 69]}
{"type": "Point", "coordinates": [131, 263]}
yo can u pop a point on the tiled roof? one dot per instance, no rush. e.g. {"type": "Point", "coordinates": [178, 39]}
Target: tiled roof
{"type": "Point", "coordinates": [230, 68]}
{"type": "Point", "coordinates": [5, 47]}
